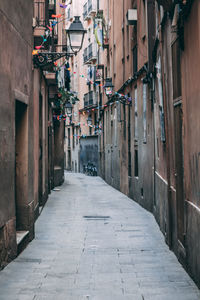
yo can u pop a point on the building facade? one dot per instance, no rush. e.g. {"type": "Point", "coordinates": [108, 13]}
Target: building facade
{"type": "Point", "coordinates": [147, 147]}
{"type": "Point", "coordinates": [83, 123]}
{"type": "Point", "coordinates": [16, 130]}
{"type": "Point", "coordinates": [31, 131]}
{"type": "Point", "coordinates": [148, 126]}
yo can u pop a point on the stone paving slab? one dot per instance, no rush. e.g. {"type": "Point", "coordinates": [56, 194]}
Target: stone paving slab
{"type": "Point", "coordinates": [94, 243]}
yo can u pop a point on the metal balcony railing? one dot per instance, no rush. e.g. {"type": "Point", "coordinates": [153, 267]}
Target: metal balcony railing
{"type": "Point", "coordinates": [39, 13]}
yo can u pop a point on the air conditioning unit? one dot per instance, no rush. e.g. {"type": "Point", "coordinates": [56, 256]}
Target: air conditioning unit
{"type": "Point", "coordinates": [132, 16]}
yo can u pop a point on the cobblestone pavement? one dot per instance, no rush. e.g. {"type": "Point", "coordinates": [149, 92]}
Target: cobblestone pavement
{"type": "Point", "coordinates": [94, 243]}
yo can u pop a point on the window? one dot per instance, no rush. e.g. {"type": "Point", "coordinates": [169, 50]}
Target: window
{"type": "Point", "coordinates": [144, 112]}
{"type": "Point", "coordinates": [136, 116]}
{"type": "Point", "coordinates": [127, 41]}
{"type": "Point", "coordinates": [69, 144]}
{"type": "Point", "coordinates": [135, 67]}
{"type": "Point", "coordinates": [68, 14]}
{"type": "Point", "coordinates": [129, 141]}
{"type": "Point", "coordinates": [124, 110]}
{"type": "Point", "coordinates": [73, 144]}
{"type": "Point", "coordinates": [136, 164]}
{"type": "Point", "coordinates": [176, 69]}
{"type": "Point", "coordinates": [161, 101]}
{"type": "Point", "coordinates": [118, 111]}
{"type": "Point", "coordinates": [143, 8]}
{"type": "Point", "coordinates": [76, 135]}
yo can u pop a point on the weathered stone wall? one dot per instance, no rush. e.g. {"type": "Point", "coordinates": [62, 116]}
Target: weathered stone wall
{"type": "Point", "coordinates": [190, 61]}
{"type": "Point", "coordinates": [15, 85]}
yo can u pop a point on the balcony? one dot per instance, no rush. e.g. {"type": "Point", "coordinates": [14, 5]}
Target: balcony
{"type": "Point", "coordinates": [89, 9]}
{"type": "Point", "coordinates": [52, 7]}
{"type": "Point", "coordinates": [40, 17]}
{"type": "Point", "coordinates": [90, 99]}
{"type": "Point", "coordinates": [90, 54]}
{"type": "Point", "coordinates": [92, 7]}
{"type": "Point", "coordinates": [40, 13]}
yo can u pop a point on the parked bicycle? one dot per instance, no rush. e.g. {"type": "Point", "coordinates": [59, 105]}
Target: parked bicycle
{"type": "Point", "coordinates": [90, 169]}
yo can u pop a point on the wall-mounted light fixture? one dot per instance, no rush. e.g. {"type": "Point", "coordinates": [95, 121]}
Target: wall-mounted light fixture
{"type": "Point", "coordinates": [76, 34]}
{"type": "Point", "coordinates": [68, 109]}
{"type": "Point", "coordinates": [109, 87]}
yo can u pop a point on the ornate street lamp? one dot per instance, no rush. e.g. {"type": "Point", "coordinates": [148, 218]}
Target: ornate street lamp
{"type": "Point", "coordinates": [108, 87]}
{"type": "Point", "coordinates": [68, 109]}
{"type": "Point", "coordinates": [76, 34]}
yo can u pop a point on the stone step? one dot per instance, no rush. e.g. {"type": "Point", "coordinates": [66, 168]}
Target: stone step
{"type": "Point", "coordinates": [22, 240]}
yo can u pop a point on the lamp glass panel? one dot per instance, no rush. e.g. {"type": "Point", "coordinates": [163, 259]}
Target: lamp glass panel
{"type": "Point", "coordinates": [108, 91]}
{"type": "Point", "coordinates": [76, 39]}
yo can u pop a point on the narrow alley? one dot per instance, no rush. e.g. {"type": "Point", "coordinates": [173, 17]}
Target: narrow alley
{"type": "Point", "coordinates": [93, 242]}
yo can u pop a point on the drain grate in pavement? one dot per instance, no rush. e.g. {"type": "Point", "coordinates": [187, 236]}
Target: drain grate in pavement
{"type": "Point", "coordinates": [127, 230]}
{"type": "Point", "coordinates": [28, 260]}
{"type": "Point", "coordinates": [103, 218]}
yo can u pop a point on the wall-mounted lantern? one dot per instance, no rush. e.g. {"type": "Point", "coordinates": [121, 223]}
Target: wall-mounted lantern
{"type": "Point", "coordinates": [109, 87]}
{"type": "Point", "coordinates": [76, 34]}
{"type": "Point", "coordinates": [68, 109]}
